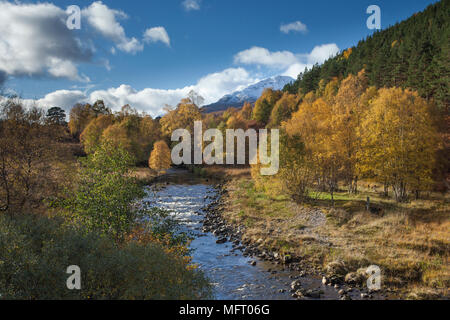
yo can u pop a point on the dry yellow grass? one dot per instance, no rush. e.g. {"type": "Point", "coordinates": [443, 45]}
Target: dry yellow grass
{"type": "Point", "coordinates": [144, 174]}
{"type": "Point", "coordinates": [410, 242]}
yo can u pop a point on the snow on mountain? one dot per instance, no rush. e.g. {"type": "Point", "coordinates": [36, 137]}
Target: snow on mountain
{"type": "Point", "coordinates": [249, 94]}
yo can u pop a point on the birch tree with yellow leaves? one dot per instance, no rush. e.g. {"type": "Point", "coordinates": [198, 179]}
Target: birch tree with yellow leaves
{"type": "Point", "coordinates": [345, 118]}
{"type": "Point", "coordinates": [182, 117]}
{"type": "Point", "coordinates": [160, 159]}
{"type": "Point", "coordinates": [399, 141]}
{"type": "Point", "coordinates": [311, 124]}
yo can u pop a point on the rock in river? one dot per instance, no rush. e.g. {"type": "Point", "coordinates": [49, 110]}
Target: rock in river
{"type": "Point", "coordinates": [296, 285]}
{"type": "Point", "coordinates": [221, 240]}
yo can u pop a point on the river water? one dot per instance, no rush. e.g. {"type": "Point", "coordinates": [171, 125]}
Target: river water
{"type": "Point", "coordinates": [231, 273]}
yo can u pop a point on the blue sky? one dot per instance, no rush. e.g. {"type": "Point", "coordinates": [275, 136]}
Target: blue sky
{"type": "Point", "coordinates": [213, 46]}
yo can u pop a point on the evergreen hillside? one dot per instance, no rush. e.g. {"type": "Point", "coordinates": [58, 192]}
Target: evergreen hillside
{"type": "Point", "coordinates": [411, 54]}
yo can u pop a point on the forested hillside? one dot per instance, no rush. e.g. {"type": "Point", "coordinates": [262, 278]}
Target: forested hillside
{"type": "Point", "coordinates": [412, 54]}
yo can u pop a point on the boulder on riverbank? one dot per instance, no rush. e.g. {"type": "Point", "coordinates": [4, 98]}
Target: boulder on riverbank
{"type": "Point", "coordinates": [356, 278]}
{"type": "Point", "coordinates": [336, 268]}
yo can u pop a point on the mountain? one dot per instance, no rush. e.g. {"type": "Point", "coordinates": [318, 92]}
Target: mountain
{"type": "Point", "coordinates": [249, 94]}
{"type": "Point", "coordinates": [411, 54]}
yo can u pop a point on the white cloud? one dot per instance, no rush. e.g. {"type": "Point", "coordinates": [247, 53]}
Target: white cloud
{"type": "Point", "coordinates": [294, 70]}
{"type": "Point", "coordinates": [104, 21]}
{"type": "Point", "coordinates": [296, 26]}
{"type": "Point", "coordinates": [60, 68]}
{"type": "Point", "coordinates": [262, 56]}
{"type": "Point", "coordinates": [132, 45]}
{"type": "Point", "coordinates": [212, 87]}
{"type": "Point", "coordinates": [65, 99]}
{"type": "Point", "coordinates": [106, 64]}
{"type": "Point", "coordinates": [190, 5]}
{"type": "Point", "coordinates": [157, 34]}
{"type": "Point", "coordinates": [318, 55]}
{"type": "Point", "coordinates": [149, 100]}
{"type": "Point", "coordinates": [292, 63]}
{"type": "Point", "coordinates": [321, 53]}
{"type": "Point", "coordinates": [215, 85]}
{"type": "Point", "coordinates": [35, 41]}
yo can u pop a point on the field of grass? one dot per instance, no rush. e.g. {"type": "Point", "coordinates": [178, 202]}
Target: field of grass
{"type": "Point", "coordinates": [409, 241]}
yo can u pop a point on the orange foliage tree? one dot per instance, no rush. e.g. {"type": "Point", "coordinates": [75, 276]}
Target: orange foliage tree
{"type": "Point", "coordinates": [160, 159]}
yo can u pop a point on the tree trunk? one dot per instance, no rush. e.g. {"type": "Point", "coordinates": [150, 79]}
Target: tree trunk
{"type": "Point", "coordinates": [386, 190]}
{"type": "Point", "coordinates": [332, 198]}
{"type": "Point", "coordinates": [400, 192]}
{"type": "Point", "coordinates": [4, 177]}
{"type": "Point", "coordinates": [417, 194]}
{"type": "Point", "coordinates": [355, 185]}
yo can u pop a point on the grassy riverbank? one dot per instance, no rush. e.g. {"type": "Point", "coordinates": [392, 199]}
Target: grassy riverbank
{"type": "Point", "coordinates": [410, 242]}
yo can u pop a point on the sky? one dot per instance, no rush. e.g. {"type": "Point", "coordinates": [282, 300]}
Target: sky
{"type": "Point", "coordinates": [152, 53]}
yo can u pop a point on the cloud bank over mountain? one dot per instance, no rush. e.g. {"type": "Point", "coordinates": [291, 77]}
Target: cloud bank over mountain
{"type": "Point", "coordinates": [213, 86]}
{"type": "Point", "coordinates": [36, 43]}
{"type": "Point", "coordinates": [289, 63]}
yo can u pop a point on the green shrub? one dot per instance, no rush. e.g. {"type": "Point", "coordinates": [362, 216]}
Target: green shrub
{"type": "Point", "coordinates": [36, 251]}
{"type": "Point", "coordinates": [103, 199]}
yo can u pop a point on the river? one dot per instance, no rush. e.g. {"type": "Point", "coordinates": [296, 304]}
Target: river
{"type": "Point", "coordinates": [230, 272]}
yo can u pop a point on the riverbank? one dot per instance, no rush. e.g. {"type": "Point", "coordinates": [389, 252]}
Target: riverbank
{"type": "Point", "coordinates": [409, 243]}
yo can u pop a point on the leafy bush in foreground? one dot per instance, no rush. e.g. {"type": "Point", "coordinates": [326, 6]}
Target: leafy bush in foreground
{"type": "Point", "coordinates": [36, 251]}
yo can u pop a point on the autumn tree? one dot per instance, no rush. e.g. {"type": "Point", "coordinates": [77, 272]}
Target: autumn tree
{"type": "Point", "coordinates": [233, 122]}
{"type": "Point", "coordinates": [90, 137]}
{"type": "Point", "coordinates": [345, 118]}
{"type": "Point", "coordinates": [296, 172]}
{"type": "Point", "coordinates": [399, 141]}
{"type": "Point", "coordinates": [27, 151]}
{"type": "Point", "coordinates": [126, 111]}
{"type": "Point", "coordinates": [230, 112]}
{"type": "Point", "coordinates": [182, 117]}
{"type": "Point", "coordinates": [283, 109]}
{"type": "Point", "coordinates": [149, 133]}
{"type": "Point", "coordinates": [310, 97]}
{"type": "Point", "coordinates": [117, 135]}
{"type": "Point", "coordinates": [331, 90]}
{"type": "Point", "coordinates": [246, 111]}
{"type": "Point", "coordinates": [136, 144]}
{"type": "Point", "coordinates": [236, 122]}
{"type": "Point", "coordinates": [264, 105]}
{"type": "Point", "coordinates": [79, 118]}
{"type": "Point", "coordinates": [127, 129]}
{"type": "Point", "coordinates": [211, 120]}
{"type": "Point", "coordinates": [311, 124]}
{"type": "Point", "coordinates": [160, 158]}
{"type": "Point", "coordinates": [82, 115]}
